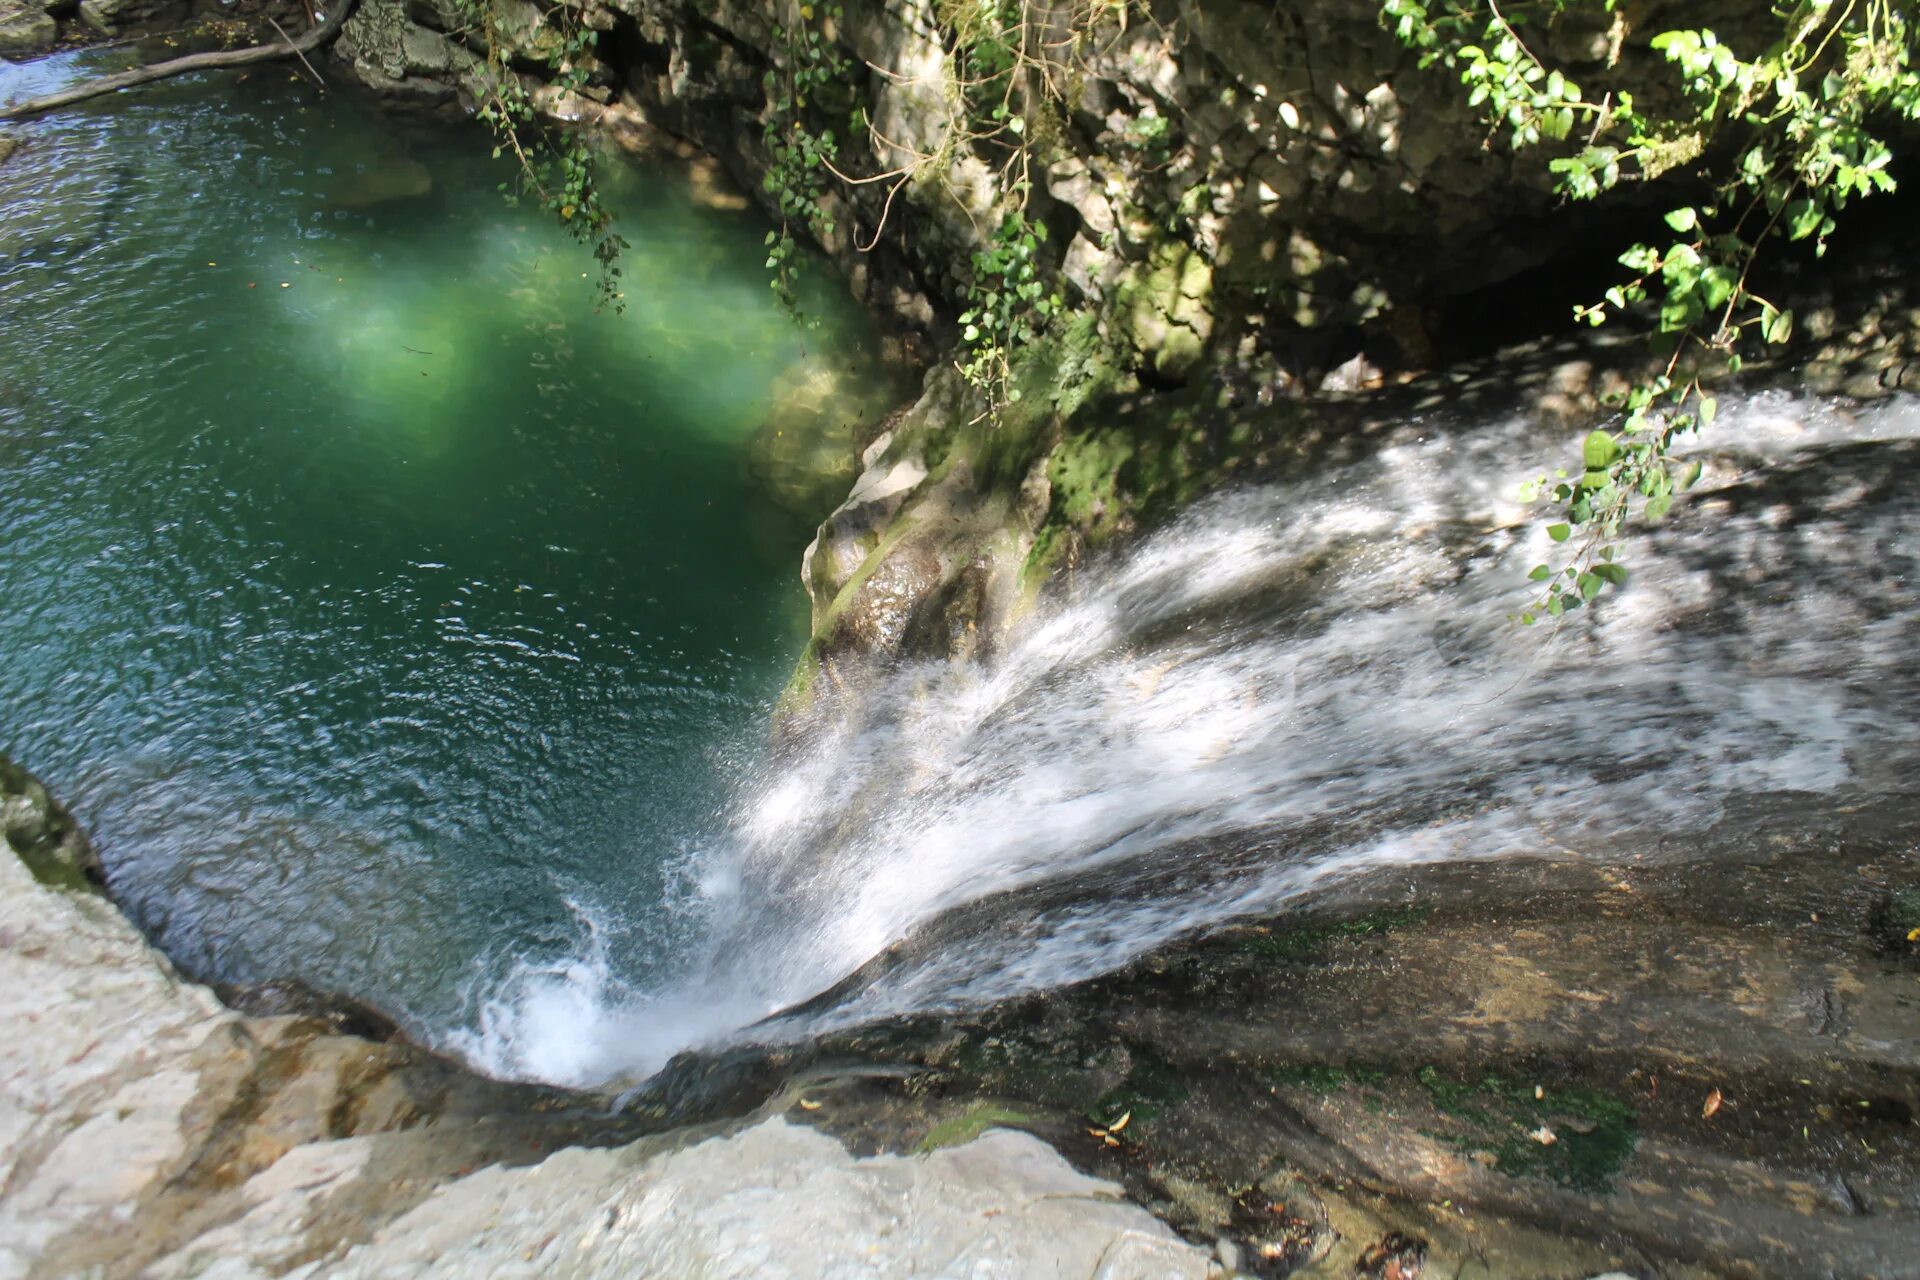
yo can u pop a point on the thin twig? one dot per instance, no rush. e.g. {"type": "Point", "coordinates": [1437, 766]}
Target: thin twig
{"type": "Point", "coordinates": [317, 77]}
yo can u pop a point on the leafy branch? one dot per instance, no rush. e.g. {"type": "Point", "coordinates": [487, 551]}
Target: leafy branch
{"type": "Point", "coordinates": [1012, 66]}
{"type": "Point", "coordinates": [554, 165]}
{"type": "Point", "coordinates": [1785, 139]}
{"type": "Point", "coordinates": [811, 69]}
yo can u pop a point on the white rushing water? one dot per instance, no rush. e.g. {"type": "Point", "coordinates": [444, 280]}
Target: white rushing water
{"type": "Point", "coordinates": [1293, 684]}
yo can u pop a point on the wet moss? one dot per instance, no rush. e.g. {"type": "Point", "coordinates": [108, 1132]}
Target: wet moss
{"type": "Point", "coordinates": [1308, 940]}
{"type": "Point", "coordinates": [969, 1124]}
{"type": "Point", "coordinates": [44, 835]}
{"type": "Point", "coordinates": [1894, 923]}
{"type": "Point", "coordinates": [1324, 1079]}
{"type": "Point", "coordinates": [1577, 1138]}
{"type": "Point", "coordinates": [1904, 909]}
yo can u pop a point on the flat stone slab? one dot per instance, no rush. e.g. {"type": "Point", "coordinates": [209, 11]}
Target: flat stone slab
{"type": "Point", "coordinates": [780, 1200]}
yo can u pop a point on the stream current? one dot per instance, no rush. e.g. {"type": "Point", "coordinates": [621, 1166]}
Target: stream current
{"type": "Point", "coordinates": [410, 630]}
{"type": "Point", "coordinates": [1292, 685]}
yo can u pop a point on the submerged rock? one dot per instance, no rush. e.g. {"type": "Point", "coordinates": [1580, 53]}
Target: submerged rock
{"type": "Point", "coordinates": [382, 182]}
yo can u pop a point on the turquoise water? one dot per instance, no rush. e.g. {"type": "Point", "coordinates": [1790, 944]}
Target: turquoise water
{"type": "Point", "coordinates": [377, 604]}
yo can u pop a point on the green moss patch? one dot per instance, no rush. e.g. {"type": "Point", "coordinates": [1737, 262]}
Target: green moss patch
{"type": "Point", "coordinates": [1903, 910]}
{"type": "Point", "coordinates": [1324, 1079]}
{"type": "Point", "coordinates": [1150, 1087]}
{"type": "Point", "coordinates": [1591, 1134]}
{"type": "Point", "coordinates": [1308, 940]}
{"type": "Point", "coordinates": [960, 1129]}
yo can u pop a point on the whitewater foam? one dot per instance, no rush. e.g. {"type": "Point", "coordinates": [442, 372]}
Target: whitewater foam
{"type": "Point", "coordinates": [1293, 684]}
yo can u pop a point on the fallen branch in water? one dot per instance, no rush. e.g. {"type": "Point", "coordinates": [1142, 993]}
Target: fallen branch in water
{"type": "Point", "coordinates": [300, 47]}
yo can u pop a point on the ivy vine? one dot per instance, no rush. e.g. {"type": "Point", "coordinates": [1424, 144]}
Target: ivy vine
{"type": "Point", "coordinates": [553, 164]}
{"type": "Point", "coordinates": [1009, 304]}
{"type": "Point", "coordinates": [1785, 137]}
{"type": "Point", "coordinates": [811, 70]}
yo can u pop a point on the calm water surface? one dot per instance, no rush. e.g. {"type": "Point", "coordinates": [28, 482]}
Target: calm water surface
{"type": "Point", "coordinates": [376, 603]}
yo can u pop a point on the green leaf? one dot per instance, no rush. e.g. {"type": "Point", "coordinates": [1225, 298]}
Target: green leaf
{"type": "Point", "coordinates": [1599, 451]}
{"type": "Point", "coordinates": [1559, 532]}
{"type": "Point", "coordinates": [1614, 573]}
{"type": "Point", "coordinates": [1803, 219]}
{"type": "Point", "coordinates": [1540, 573]}
{"type": "Point", "coordinates": [1717, 284]}
{"type": "Point", "coordinates": [1683, 219]}
{"type": "Point", "coordinates": [1709, 410]}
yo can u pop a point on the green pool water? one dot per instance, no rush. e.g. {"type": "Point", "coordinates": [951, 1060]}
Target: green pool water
{"type": "Point", "coordinates": [389, 616]}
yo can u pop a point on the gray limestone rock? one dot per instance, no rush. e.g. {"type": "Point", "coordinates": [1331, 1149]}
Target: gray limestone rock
{"type": "Point", "coordinates": [113, 17]}
{"type": "Point", "coordinates": [25, 27]}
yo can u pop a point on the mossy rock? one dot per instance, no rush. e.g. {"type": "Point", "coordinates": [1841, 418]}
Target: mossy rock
{"type": "Point", "coordinates": [44, 835]}
{"type": "Point", "coordinates": [1311, 940]}
{"type": "Point", "coordinates": [1577, 1138]}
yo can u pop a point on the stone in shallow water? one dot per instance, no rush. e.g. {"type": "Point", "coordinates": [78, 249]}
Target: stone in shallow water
{"type": "Point", "coordinates": [25, 27]}
{"type": "Point", "coordinates": [111, 17]}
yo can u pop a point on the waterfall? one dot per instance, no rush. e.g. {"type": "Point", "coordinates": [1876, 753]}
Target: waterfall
{"type": "Point", "coordinates": [1294, 683]}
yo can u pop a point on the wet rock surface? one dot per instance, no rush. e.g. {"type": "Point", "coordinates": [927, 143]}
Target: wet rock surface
{"type": "Point", "coordinates": [40, 831]}
{"type": "Point", "coordinates": [1702, 1060]}
{"type": "Point", "coordinates": [112, 17]}
{"type": "Point", "coordinates": [148, 1130]}
{"type": "Point", "coordinates": [140, 1113]}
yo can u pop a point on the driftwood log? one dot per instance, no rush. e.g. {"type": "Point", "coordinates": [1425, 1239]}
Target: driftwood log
{"type": "Point", "coordinates": [300, 46]}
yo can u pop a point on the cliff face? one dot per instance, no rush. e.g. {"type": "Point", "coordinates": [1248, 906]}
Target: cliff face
{"type": "Point", "coordinates": [1227, 185]}
{"type": "Point", "coordinates": [1217, 176]}
{"type": "Point", "coordinates": [1226, 175]}
{"type": "Point", "coordinates": [1253, 212]}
